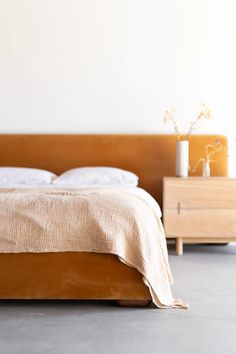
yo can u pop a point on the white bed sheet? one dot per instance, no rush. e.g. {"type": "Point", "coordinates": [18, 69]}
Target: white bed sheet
{"type": "Point", "coordinates": [61, 186]}
{"type": "Point", "coordinates": [139, 191]}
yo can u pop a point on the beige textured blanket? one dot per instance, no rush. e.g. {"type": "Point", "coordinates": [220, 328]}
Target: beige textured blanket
{"type": "Point", "coordinates": [124, 222]}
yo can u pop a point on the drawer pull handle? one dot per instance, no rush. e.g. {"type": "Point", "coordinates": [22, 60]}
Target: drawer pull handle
{"type": "Point", "coordinates": [178, 207]}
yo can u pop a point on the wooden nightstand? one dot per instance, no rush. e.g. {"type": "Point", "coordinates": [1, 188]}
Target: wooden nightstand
{"type": "Point", "coordinates": [199, 210]}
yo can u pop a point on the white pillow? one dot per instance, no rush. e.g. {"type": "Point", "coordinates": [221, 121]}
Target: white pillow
{"type": "Point", "coordinates": [97, 176]}
{"type": "Point", "coordinates": [23, 175]}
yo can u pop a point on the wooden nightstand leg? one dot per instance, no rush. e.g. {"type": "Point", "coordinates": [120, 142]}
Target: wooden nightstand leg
{"type": "Point", "coordinates": [179, 246]}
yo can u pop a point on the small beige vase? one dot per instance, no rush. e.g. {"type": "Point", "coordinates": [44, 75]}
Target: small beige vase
{"type": "Point", "coordinates": [206, 169]}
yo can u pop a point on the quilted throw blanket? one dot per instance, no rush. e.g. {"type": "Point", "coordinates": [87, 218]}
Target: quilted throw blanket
{"type": "Point", "coordinates": [121, 221]}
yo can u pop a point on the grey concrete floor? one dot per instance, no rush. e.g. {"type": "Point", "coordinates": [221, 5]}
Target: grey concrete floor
{"type": "Point", "coordinates": [205, 276]}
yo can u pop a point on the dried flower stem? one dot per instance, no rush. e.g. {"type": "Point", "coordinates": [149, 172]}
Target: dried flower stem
{"type": "Point", "coordinates": [214, 150]}
{"type": "Point", "coordinates": [197, 164]}
{"type": "Point", "coordinates": [193, 125]}
{"type": "Point", "coordinates": [210, 152]}
{"type": "Point", "coordinates": [169, 116]}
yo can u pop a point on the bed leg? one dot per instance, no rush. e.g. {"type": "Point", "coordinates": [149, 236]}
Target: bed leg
{"type": "Point", "coordinates": [179, 246]}
{"type": "Point", "coordinates": [133, 303]}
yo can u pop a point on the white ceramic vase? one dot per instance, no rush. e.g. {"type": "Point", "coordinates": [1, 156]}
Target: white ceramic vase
{"type": "Point", "coordinates": [182, 158]}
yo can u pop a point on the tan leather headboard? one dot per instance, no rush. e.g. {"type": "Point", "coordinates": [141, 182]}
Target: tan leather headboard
{"type": "Point", "coordinates": [150, 156]}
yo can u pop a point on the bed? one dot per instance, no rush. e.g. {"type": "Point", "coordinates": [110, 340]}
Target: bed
{"type": "Point", "coordinates": [87, 275]}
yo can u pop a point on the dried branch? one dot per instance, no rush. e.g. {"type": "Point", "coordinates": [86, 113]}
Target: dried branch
{"type": "Point", "coordinates": [169, 116]}
{"type": "Point", "coordinates": [210, 152]}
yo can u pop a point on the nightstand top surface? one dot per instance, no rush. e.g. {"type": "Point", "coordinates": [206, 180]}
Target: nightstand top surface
{"type": "Point", "coordinates": [201, 178]}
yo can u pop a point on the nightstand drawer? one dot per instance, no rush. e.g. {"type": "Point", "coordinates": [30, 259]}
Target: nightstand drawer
{"type": "Point", "coordinates": [199, 193]}
{"type": "Point", "coordinates": [200, 223]}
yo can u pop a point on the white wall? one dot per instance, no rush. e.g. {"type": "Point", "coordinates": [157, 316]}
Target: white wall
{"type": "Point", "coordinates": [115, 65]}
